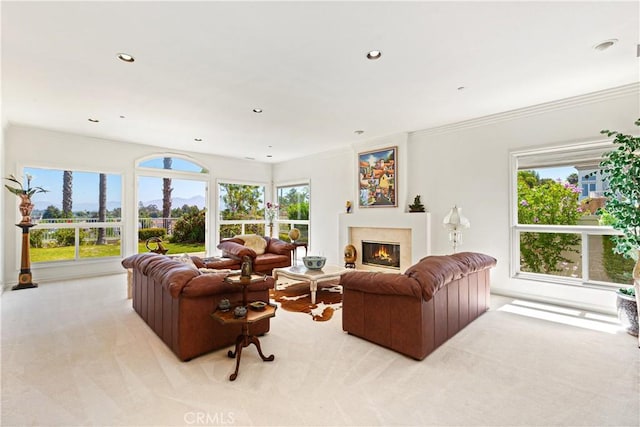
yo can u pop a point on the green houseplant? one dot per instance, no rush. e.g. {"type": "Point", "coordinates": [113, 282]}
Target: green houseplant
{"type": "Point", "coordinates": [621, 170]}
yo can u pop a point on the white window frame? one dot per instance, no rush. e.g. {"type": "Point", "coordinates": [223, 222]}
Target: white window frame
{"type": "Point", "coordinates": [548, 157]}
{"type": "Point", "coordinates": [220, 222]}
{"type": "Point", "coordinates": [290, 223]}
{"type": "Point", "coordinates": [142, 171]}
{"type": "Point", "coordinates": [78, 224]}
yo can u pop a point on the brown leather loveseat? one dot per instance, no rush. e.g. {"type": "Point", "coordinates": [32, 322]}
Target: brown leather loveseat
{"type": "Point", "coordinates": [415, 312]}
{"type": "Point", "coordinates": [266, 253]}
{"type": "Point", "coordinates": [176, 300]}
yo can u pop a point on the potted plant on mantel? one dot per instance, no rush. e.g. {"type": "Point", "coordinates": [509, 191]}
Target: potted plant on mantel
{"type": "Point", "coordinates": [621, 170]}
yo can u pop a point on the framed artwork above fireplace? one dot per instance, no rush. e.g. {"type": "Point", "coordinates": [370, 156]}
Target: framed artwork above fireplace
{"type": "Point", "coordinates": [377, 172]}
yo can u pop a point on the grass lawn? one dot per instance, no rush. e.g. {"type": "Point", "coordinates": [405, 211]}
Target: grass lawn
{"type": "Point", "coordinates": [98, 251]}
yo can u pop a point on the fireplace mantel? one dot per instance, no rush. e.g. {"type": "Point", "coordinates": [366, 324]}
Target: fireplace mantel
{"type": "Point", "coordinates": [418, 222]}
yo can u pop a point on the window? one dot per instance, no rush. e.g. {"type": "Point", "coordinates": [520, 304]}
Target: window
{"type": "Point", "coordinates": [79, 217]}
{"type": "Point", "coordinates": [241, 209]}
{"type": "Point", "coordinates": [172, 200]}
{"type": "Point", "coordinates": [559, 227]}
{"type": "Point", "coordinates": [293, 202]}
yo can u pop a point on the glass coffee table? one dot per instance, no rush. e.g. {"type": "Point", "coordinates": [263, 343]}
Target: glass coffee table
{"type": "Point", "coordinates": [302, 273]}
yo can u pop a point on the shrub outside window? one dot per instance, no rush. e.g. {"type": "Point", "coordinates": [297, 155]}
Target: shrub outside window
{"type": "Point", "coordinates": [560, 231]}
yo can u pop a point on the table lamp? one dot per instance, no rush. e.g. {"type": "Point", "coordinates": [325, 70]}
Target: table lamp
{"type": "Point", "coordinates": [455, 223]}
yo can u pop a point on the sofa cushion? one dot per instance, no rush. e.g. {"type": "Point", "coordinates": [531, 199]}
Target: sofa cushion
{"type": "Point", "coordinates": [186, 259]}
{"type": "Point", "coordinates": [235, 248]}
{"type": "Point", "coordinates": [277, 246]}
{"type": "Point", "coordinates": [253, 241]}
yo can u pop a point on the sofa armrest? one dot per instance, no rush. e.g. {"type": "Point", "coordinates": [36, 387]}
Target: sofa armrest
{"type": "Point", "coordinates": [374, 282]}
{"type": "Point", "coordinates": [279, 247]}
{"type": "Point", "coordinates": [233, 249]}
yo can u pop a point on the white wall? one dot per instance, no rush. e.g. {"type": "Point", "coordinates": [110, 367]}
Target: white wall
{"type": "Point", "coordinates": [468, 165]}
{"type": "Point", "coordinates": [25, 146]}
{"type": "Point", "coordinates": [3, 218]}
{"type": "Point", "coordinates": [465, 164]}
{"type": "Point", "coordinates": [333, 177]}
{"type": "Point", "coordinates": [332, 182]}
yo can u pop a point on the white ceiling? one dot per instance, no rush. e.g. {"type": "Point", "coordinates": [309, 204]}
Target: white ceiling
{"type": "Point", "coordinates": [201, 67]}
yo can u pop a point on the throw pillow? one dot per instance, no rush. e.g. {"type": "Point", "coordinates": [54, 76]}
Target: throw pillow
{"type": "Point", "coordinates": [185, 258]}
{"type": "Point", "coordinates": [257, 243]}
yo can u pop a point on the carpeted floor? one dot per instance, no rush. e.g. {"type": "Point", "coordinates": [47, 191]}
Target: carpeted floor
{"type": "Point", "coordinates": [75, 354]}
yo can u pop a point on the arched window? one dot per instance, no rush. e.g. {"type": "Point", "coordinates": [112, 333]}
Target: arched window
{"type": "Point", "coordinates": [172, 197]}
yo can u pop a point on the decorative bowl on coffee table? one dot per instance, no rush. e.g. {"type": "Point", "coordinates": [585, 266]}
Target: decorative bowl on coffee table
{"type": "Point", "coordinates": [314, 262]}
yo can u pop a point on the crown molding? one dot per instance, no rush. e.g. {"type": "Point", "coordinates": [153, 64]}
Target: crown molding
{"type": "Point", "coordinates": [561, 104]}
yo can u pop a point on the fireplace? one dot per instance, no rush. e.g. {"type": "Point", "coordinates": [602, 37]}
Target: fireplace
{"type": "Point", "coordinates": [409, 230]}
{"type": "Point", "coordinates": [381, 254]}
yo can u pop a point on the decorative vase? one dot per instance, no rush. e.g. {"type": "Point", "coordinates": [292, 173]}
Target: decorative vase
{"type": "Point", "coordinates": [270, 229]}
{"type": "Point", "coordinates": [294, 234]}
{"type": "Point", "coordinates": [627, 312]}
{"type": "Point", "coordinates": [26, 207]}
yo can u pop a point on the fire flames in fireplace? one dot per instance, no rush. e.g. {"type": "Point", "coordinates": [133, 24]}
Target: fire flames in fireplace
{"type": "Point", "coordinates": [381, 254]}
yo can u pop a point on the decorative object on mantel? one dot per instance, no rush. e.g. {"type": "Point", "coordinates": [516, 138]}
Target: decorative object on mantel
{"type": "Point", "coordinates": [621, 169]}
{"type": "Point", "coordinates": [350, 255]}
{"type": "Point", "coordinates": [270, 212]}
{"type": "Point", "coordinates": [25, 280]}
{"type": "Point", "coordinates": [455, 223]}
{"type": "Point", "coordinates": [377, 171]}
{"type": "Point", "coordinates": [348, 206]}
{"type": "Point", "coordinates": [417, 205]}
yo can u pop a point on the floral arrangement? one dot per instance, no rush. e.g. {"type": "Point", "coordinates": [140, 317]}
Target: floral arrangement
{"type": "Point", "coordinates": [29, 191]}
{"type": "Point", "coordinates": [271, 211]}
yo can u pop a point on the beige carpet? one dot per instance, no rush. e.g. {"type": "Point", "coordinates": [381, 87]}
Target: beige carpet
{"type": "Point", "coordinates": [76, 354]}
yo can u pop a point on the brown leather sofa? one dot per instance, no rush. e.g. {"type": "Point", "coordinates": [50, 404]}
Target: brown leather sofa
{"type": "Point", "coordinates": [276, 254]}
{"type": "Point", "coordinates": [415, 312]}
{"type": "Point", "coordinates": [176, 300]}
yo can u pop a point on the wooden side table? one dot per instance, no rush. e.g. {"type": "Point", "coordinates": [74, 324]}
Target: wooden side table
{"type": "Point", "coordinates": [228, 318]}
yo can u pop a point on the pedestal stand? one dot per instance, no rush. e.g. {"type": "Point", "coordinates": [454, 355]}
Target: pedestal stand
{"type": "Point", "coordinates": [24, 278]}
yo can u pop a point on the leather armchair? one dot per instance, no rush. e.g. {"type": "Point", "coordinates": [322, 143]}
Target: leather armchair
{"type": "Point", "coordinates": [277, 254]}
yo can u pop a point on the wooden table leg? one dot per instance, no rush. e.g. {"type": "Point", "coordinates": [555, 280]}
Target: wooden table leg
{"type": "Point", "coordinates": [244, 340]}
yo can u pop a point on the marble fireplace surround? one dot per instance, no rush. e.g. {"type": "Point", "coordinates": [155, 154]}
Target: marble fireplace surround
{"type": "Point", "coordinates": [411, 230]}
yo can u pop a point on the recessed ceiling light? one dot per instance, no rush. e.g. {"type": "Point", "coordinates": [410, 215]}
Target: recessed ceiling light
{"type": "Point", "coordinates": [250, 158]}
{"type": "Point", "coordinates": [374, 54]}
{"type": "Point", "coordinates": [269, 155]}
{"type": "Point", "coordinates": [461, 88]}
{"type": "Point", "coordinates": [605, 44]}
{"type": "Point", "coordinates": [358, 132]}
{"type": "Point", "coordinates": [93, 120]}
{"type": "Point", "coordinates": [197, 139]}
{"type": "Point", "coordinates": [257, 110]}
{"type": "Point", "coordinates": [126, 57]}
{"type": "Point", "coordinates": [122, 117]}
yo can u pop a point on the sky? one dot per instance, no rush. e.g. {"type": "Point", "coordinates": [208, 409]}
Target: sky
{"type": "Point", "coordinates": [556, 173]}
{"type": "Point", "coordinates": [86, 188]}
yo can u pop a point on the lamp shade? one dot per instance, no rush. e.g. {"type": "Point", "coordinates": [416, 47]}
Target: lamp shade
{"type": "Point", "coordinates": [454, 219]}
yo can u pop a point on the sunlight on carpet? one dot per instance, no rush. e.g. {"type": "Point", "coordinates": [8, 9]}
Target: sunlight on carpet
{"type": "Point", "coordinates": [295, 296]}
